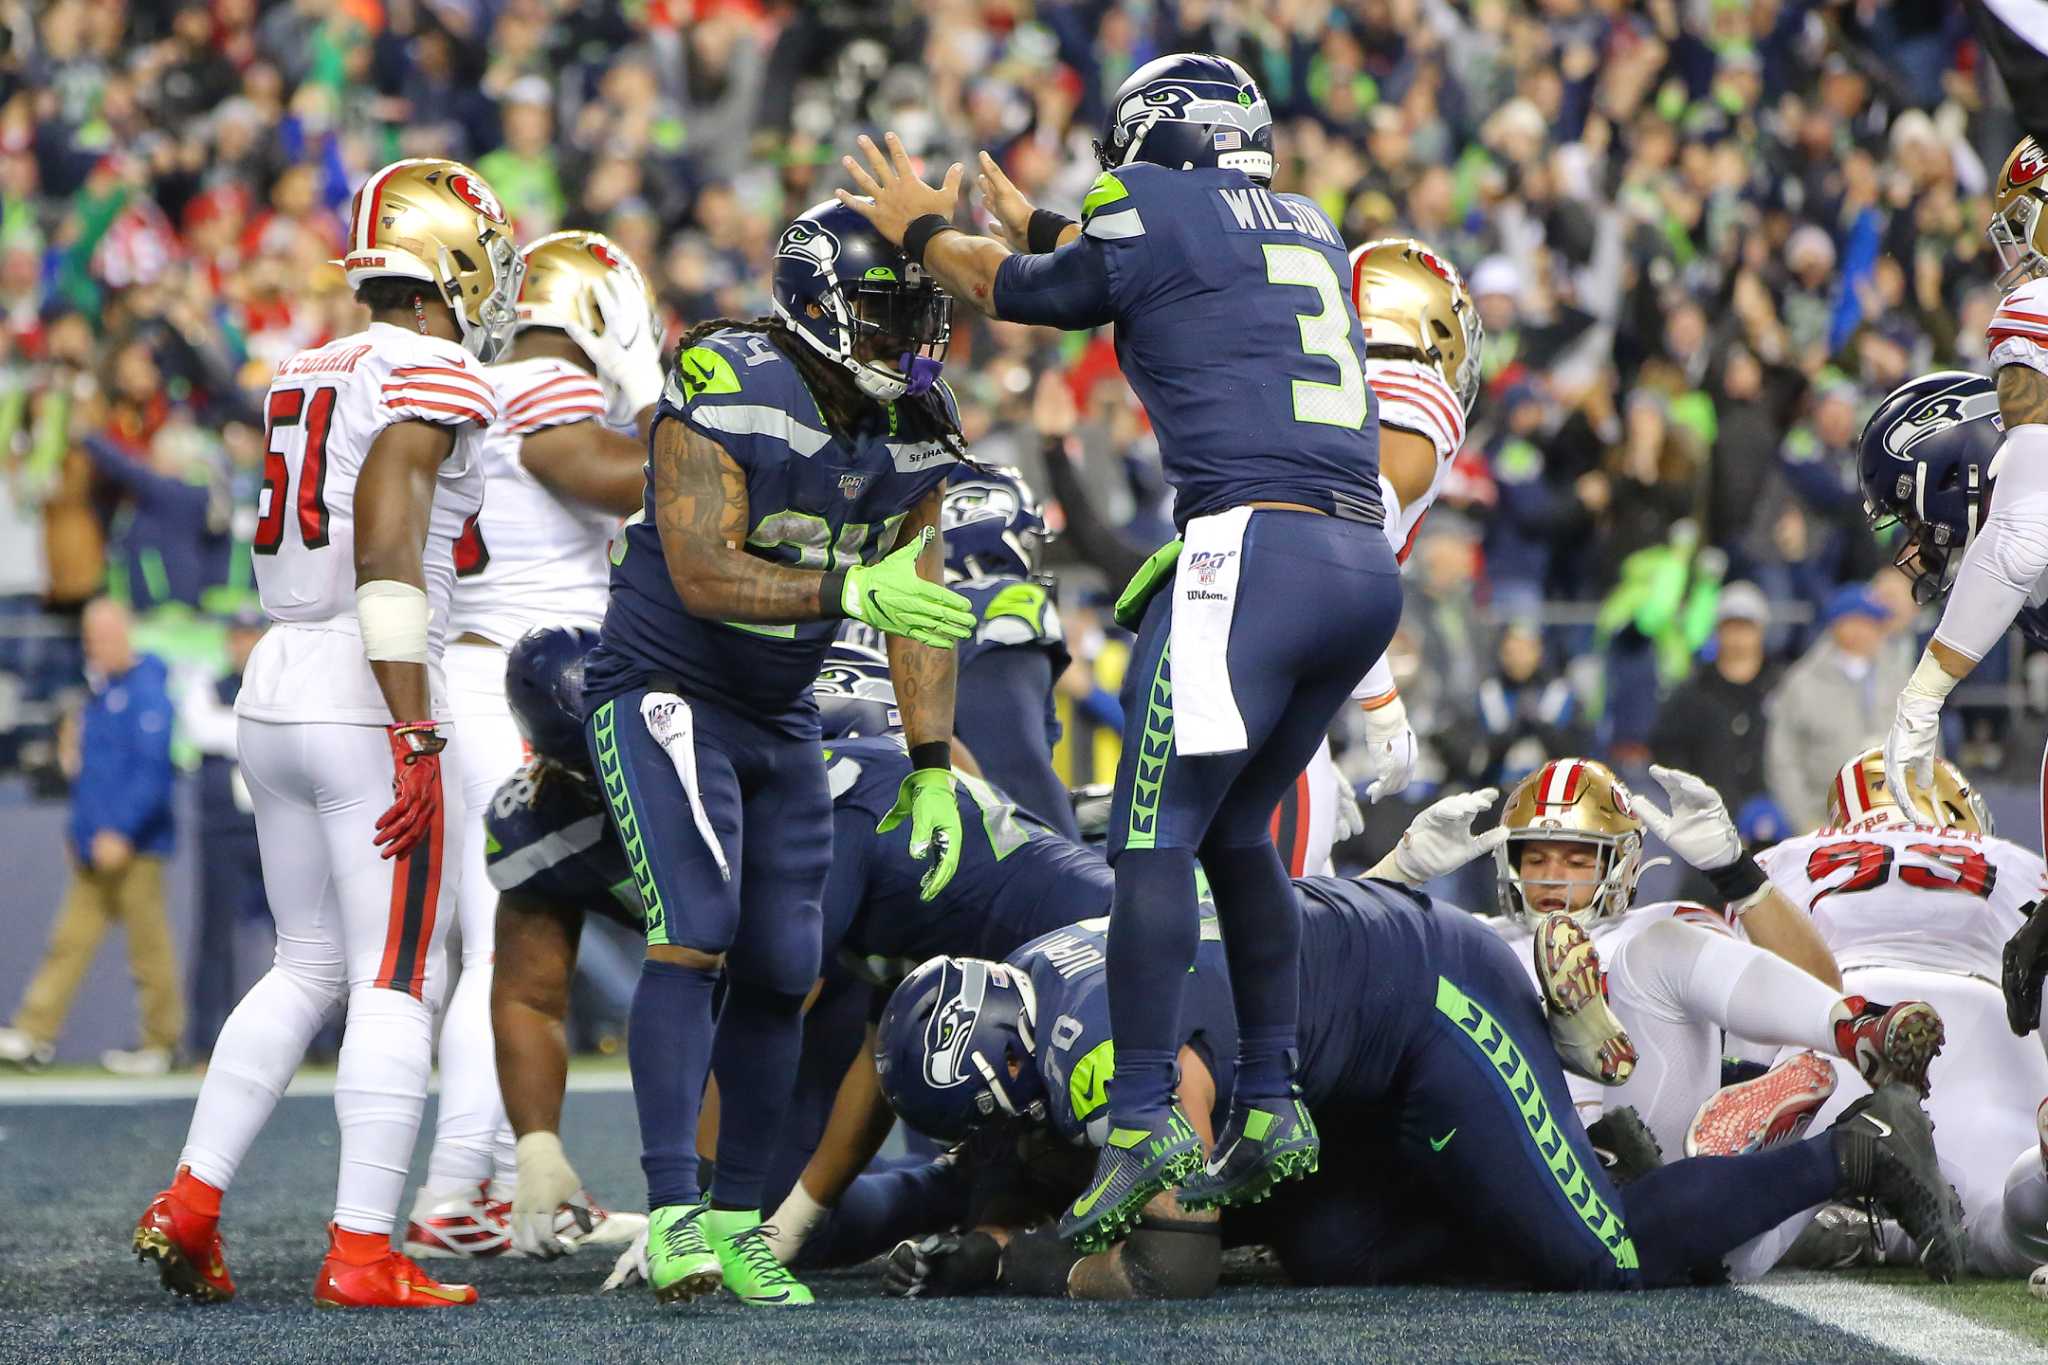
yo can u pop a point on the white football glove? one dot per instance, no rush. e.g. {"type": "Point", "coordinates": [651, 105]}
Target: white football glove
{"type": "Point", "coordinates": [628, 355]}
{"type": "Point", "coordinates": [1390, 748]}
{"type": "Point", "coordinates": [1440, 841]}
{"type": "Point", "coordinates": [1916, 729]}
{"type": "Point", "coordinates": [1698, 828]}
{"type": "Point", "coordinates": [630, 1269]}
{"type": "Point", "coordinates": [1347, 821]}
{"type": "Point", "coordinates": [546, 1182]}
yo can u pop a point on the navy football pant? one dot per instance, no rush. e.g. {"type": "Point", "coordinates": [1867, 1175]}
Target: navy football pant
{"type": "Point", "coordinates": [1317, 601]}
{"type": "Point", "coordinates": [764, 917]}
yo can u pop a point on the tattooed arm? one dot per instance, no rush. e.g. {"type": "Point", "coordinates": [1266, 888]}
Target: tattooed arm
{"type": "Point", "coordinates": [923, 675]}
{"type": "Point", "coordinates": [700, 508]}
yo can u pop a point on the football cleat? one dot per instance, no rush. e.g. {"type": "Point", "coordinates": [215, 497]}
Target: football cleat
{"type": "Point", "coordinates": [1773, 1108]}
{"type": "Point", "coordinates": [1589, 1038]}
{"type": "Point", "coordinates": [1837, 1238]}
{"type": "Point", "coordinates": [741, 1242]}
{"type": "Point", "coordinates": [1260, 1146]}
{"type": "Point", "coordinates": [1888, 1043]}
{"type": "Point", "coordinates": [1135, 1164]}
{"type": "Point", "coordinates": [22, 1050]}
{"type": "Point", "coordinates": [583, 1222]}
{"type": "Point", "coordinates": [1627, 1148]}
{"type": "Point", "coordinates": [185, 1244]}
{"type": "Point", "coordinates": [680, 1263]}
{"type": "Point", "coordinates": [1884, 1151]}
{"type": "Point", "coordinates": [467, 1226]}
{"type": "Point", "coordinates": [388, 1281]}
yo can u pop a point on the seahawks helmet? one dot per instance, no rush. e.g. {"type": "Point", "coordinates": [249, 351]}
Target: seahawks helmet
{"type": "Point", "coordinates": [1188, 110]}
{"type": "Point", "coordinates": [863, 289]}
{"type": "Point", "coordinates": [992, 524]}
{"type": "Point", "coordinates": [544, 687]}
{"type": "Point", "coordinates": [945, 1043]}
{"type": "Point", "coordinates": [855, 695]}
{"type": "Point", "coordinates": [1924, 460]}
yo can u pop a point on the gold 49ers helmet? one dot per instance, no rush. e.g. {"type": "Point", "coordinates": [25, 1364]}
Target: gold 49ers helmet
{"type": "Point", "coordinates": [438, 221]}
{"type": "Point", "coordinates": [1861, 792]}
{"type": "Point", "coordinates": [2019, 214]}
{"type": "Point", "coordinates": [563, 270]}
{"type": "Point", "coordinates": [1412, 299]}
{"type": "Point", "coordinates": [1572, 800]}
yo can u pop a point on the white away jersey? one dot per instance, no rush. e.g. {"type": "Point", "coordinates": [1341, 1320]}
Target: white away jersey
{"type": "Point", "coordinates": [2018, 333]}
{"type": "Point", "coordinates": [1893, 895]}
{"type": "Point", "coordinates": [533, 559]}
{"type": "Point", "coordinates": [1414, 397]}
{"type": "Point", "coordinates": [324, 409]}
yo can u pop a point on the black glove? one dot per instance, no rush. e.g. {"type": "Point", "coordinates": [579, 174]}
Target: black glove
{"type": "Point", "coordinates": [2026, 963]}
{"type": "Point", "coordinates": [942, 1264]}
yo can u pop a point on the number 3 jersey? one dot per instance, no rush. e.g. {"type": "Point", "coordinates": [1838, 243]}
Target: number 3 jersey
{"type": "Point", "coordinates": [324, 410]}
{"type": "Point", "coordinates": [1896, 895]}
{"type": "Point", "coordinates": [814, 501]}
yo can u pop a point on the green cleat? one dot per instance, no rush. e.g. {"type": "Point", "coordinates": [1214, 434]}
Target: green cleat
{"type": "Point", "coordinates": [751, 1270]}
{"type": "Point", "coordinates": [1261, 1146]}
{"type": "Point", "coordinates": [680, 1263]}
{"type": "Point", "coordinates": [1136, 1163]}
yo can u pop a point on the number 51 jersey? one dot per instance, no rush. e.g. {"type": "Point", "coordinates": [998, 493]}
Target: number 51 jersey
{"type": "Point", "coordinates": [323, 411]}
{"type": "Point", "coordinates": [1898, 895]}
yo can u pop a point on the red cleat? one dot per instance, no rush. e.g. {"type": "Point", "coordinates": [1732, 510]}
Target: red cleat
{"type": "Point", "coordinates": [180, 1231]}
{"type": "Point", "coordinates": [1773, 1108]}
{"type": "Point", "coordinates": [1888, 1042]}
{"type": "Point", "coordinates": [362, 1271]}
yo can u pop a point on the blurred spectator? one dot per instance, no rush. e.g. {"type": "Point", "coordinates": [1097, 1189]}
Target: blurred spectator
{"type": "Point", "coordinates": [1525, 714]}
{"type": "Point", "coordinates": [1713, 723]}
{"type": "Point", "coordinates": [121, 830]}
{"type": "Point", "coordinates": [1834, 702]}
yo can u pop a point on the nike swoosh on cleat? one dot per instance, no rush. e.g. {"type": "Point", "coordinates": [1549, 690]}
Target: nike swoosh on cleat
{"type": "Point", "coordinates": [1883, 1129]}
{"type": "Point", "coordinates": [1438, 1144]}
{"type": "Point", "coordinates": [1087, 1201]}
{"type": "Point", "coordinates": [435, 1291]}
{"type": "Point", "coordinates": [783, 1297]}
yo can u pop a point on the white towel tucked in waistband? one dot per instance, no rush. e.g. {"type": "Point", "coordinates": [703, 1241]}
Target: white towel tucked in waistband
{"type": "Point", "coordinates": [1205, 715]}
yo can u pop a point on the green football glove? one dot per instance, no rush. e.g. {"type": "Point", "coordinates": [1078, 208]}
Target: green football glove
{"type": "Point", "coordinates": [926, 797]}
{"type": "Point", "coordinates": [1155, 573]}
{"type": "Point", "coordinates": [891, 597]}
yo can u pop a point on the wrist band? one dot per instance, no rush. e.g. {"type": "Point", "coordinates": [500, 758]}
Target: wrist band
{"type": "Point", "coordinates": [919, 234]}
{"type": "Point", "coordinates": [1739, 880]}
{"type": "Point", "coordinates": [937, 753]}
{"type": "Point", "coordinates": [832, 595]}
{"type": "Point", "coordinates": [1043, 234]}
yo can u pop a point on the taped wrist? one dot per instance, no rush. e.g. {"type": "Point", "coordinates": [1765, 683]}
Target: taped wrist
{"type": "Point", "coordinates": [1174, 1258]}
{"type": "Point", "coordinates": [919, 234]}
{"type": "Point", "coordinates": [1043, 234]}
{"type": "Point", "coordinates": [1739, 881]}
{"type": "Point", "coordinates": [1038, 1263]}
{"type": "Point", "coordinates": [392, 617]}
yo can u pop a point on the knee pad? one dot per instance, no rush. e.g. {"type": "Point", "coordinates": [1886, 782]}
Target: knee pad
{"type": "Point", "coordinates": [1174, 1258]}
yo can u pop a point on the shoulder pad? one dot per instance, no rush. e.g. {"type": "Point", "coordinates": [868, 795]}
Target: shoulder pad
{"type": "Point", "coordinates": [737, 384]}
{"type": "Point", "coordinates": [723, 364]}
{"type": "Point", "coordinates": [1019, 613]}
{"type": "Point", "coordinates": [1108, 212]}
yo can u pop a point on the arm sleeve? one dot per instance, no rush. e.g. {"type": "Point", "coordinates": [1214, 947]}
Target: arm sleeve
{"type": "Point", "coordinates": [995, 689]}
{"type": "Point", "coordinates": [2009, 555]}
{"type": "Point", "coordinates": [1065, 288]}
{"type": "Point", "coordinates": [144, 786]}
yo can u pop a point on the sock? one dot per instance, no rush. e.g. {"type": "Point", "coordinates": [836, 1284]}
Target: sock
{"type": "Point", "coordinates": [259, 1048]}
{"type": "Point", "coordinates": [1751, 993]}
{"type": "Point", "coordinates": [668, 1046]}
{"type": "Point", "coordinates": [1261, 924]}
{"type": "Point", "coordinates": [195, 1194]}
{"type": "Point", "coordinates": [471, 1110]}
{"type": "Point", "coordinates": [754, 1055]}
{"type": "Point", "coordinates": [504, 1161]}
{"type": "Point", "coordinates": [1153, 931]}
{"type": "Point", "coordinates": [360, 1248]}
{"type": "Point", "coordinates": [380, 1091]}
{"type": "Point", "coordinates": [1685, 1216]}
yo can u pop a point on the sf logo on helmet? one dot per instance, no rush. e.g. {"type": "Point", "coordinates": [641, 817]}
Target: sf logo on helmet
{"type": "Point", "coordinates": [477, 195]}
{"type": "Point", "coordinates": [605, 255]}
{"type": "Point", "coordinates": [2029, 165]}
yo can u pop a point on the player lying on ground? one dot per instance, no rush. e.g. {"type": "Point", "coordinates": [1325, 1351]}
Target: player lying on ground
{"type": "Point", "coordinates": [1458, 1115]}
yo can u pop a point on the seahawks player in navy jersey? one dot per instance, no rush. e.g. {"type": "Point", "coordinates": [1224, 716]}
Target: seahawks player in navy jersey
{"type": "Point", "coordinates": [1234, 328]}
{"type": "Point", "coordinates": [1420, 1027]}
{"type": "Point", "coordinates": [788, 456]}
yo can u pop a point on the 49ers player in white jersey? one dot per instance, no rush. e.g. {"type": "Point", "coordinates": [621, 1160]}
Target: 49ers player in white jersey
{"type": "Point", "coordinates": [1924, 910]}
{"type": "Point", "coordinates": [373, 471]}
{"type": "Point", "coordinates": [562, 464]}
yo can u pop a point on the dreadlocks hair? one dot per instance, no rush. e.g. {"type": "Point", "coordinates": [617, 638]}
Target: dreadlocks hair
{"type": "Point", "coordinates": [840, 400]}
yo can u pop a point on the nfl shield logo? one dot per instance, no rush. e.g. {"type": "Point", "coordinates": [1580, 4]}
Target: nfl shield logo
{"type": "Point", "coordinates": [851, 484]}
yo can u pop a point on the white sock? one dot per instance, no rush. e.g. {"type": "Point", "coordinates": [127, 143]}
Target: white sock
{"type": "Point", "coordinates": [1739, 986]}
{"type": "Point", "coordinates": [472, 1111]}
{"type": "Point", "coordinates": [380, 1091]}
{"type": "Point", "coordinates": [259, 1048]}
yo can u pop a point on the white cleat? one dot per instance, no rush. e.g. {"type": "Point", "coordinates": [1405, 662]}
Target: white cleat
{"type": "Point", "coordinates": [467, 1226]}
{"type": "Point", "coordinates": [583, 1222]}
{"type": "Point", "coordinates": [22, 1050]}
{"type": "Point", "coordinates": [1773, 1108]}
{"type": "Point", "coordinates": [1583, 1026]}
{"type": "Point", "coordinates": [141, 1061]}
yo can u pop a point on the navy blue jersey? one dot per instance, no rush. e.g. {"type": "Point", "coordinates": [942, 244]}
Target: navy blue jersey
{"type": "Point", "coordinates": [813, 502]}
{"type": "Point", "coordinates": [1015, 876]}
{"type": "Point", "coordinates": [1075, 1053]}
{"type": "Point", "coordinates": [546, 835]}
{"type": "Point", "coordinates": [1015, 613]}
{"type": "Point", "coordinates": [1234, 326]}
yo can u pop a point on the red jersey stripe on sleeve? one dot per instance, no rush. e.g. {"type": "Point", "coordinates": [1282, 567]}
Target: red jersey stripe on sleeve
{"type": "Point", "coordinates": [554, 415]}
{"type": "Point", "coordinates": [437, 411]}
{"type": "Point", "coordinates": [395, 394]}
{"type": "Point", "coordinates": [1435, 404]}
{"type": "Point", "coordinates": [577, 386]}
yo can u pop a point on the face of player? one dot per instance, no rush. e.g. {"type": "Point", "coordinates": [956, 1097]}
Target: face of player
{"type": "Point", "coordinates": [1559, 874]}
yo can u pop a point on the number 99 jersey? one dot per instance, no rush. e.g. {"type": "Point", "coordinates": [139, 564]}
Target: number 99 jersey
{"type": "Point", "coordinates": [1898, 895]}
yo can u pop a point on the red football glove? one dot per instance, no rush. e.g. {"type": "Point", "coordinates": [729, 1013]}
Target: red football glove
{"type": "Point", "coordinates": [415, 787]}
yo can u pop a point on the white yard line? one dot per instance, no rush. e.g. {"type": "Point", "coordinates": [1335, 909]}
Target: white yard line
{"type": "Point", "coordinates": [33, 1090]}
{"type": "Point", "coordinates": [1894, 1320]}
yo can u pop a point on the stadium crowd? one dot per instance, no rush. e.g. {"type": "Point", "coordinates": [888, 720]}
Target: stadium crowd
{"type": "Point", "coordinates": [1705, 238]}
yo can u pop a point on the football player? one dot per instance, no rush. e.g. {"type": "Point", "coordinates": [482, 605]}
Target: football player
{"type": "Point", "coordinates": [1444, 1048]}
{"type": "Point", "coordinates": [374, 469]}
{"type": "Point", "coordinates": [1923, 910]}
{"type": "Point", "coordinates": [564, 462]}
{"type": "Point", "coordinates": [1990, 555]}
{"type": "Point", "coordinates": [1233, 329]}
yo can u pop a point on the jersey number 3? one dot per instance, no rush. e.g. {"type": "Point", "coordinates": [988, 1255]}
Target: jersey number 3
{"type": "Point", "coordinates": [1325, 332]}
{"type": "Point", "coordinates": [291, 409]}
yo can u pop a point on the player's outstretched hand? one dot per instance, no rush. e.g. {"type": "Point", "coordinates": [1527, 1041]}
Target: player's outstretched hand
{"type": "Point", "coordinates": [926, 799]}
{"type": "Point", "coordinates": [628, 354]}
{"type": "Point", "coordinates": [891, 596]}
{"type": "Point", "coordinates": [1390, 749]}
{"type": "Point", "coordinates": [1698, 828]}
{"type": "Point", "coordinates": [946, 1263]}
{"type": "Point", "coordinates": [1440, 840]}
{"type": "Point", "coordinates": [1909, 750]}
{"type": "Point", "coordinates": [546, 1182]}
{"type": "Point", "coordinates": [2025, 967]}
{"type": "Point", "coordinates": [896, 197]}
{"type": "Point", "coordinates": [415, 787]}
{"type": "Point", "coordinates": [1011, 210]}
